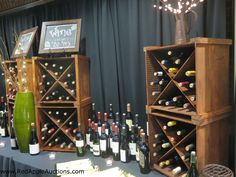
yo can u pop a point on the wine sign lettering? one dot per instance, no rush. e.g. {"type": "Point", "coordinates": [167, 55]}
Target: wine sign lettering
{"type": "Point", "coordinates": [60, 36]}
{"type": "Point", "coordinates": [24, 43]}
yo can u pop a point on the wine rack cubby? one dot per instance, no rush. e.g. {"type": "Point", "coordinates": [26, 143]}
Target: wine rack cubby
{"type": "Point", "coordinates": [195, 95]}
{"type": "Point", "coordinates": [62, 99]}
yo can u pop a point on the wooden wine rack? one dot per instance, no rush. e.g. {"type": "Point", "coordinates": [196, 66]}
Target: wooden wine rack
{"type": "Point", "coordinates": [77, 105]}
{"type": "Point", "coordinates": [206, 123]}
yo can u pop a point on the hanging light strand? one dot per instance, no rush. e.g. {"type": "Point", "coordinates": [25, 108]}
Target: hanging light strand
{"type": "Point", "coordinates": [182, 6]}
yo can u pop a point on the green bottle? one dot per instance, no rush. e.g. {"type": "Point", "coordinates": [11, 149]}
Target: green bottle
{"type": "Point", "coordinates": [80, 146]}
{"type": "Point", "coordinates": [192, 172]}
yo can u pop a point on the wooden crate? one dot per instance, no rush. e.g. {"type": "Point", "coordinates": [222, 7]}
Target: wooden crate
{"type": "Point", "coordinates": [78, 102]}
{"type": "Point", "coordinates": [208, 114]}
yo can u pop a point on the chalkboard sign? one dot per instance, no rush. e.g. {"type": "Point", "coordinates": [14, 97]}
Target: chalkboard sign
{"type": "Point", "coordinates": [24, 43]}
{"type": "Point", "coordinates": [60, 36]}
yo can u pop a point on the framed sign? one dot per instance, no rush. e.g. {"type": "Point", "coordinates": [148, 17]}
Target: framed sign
{"type": "Point", "coordinates": [24, 43]}
{"type": "Point", "coordinates": [60, 36]}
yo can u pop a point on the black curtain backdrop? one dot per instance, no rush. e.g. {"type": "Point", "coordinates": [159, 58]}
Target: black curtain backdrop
{"type": "Point", "coordinates": [114, 33]}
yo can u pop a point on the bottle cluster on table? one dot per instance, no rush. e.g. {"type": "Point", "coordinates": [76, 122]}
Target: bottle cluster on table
{"type": "Point", "coordinates": [110, 134]}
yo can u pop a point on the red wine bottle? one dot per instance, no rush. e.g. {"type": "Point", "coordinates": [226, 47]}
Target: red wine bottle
{"type": "Point", "coordinates": [116, 145]}
{"type": "Point", "coordinates": [138, 142]}
{"type": "Point", "coordinates": [96, 146]}
{"type": "Point", "coordinates": [107, 125]}
{"type": "Point", "coordinates": [92, 137]}
{"type": "Point", "coordinates": [13, 141]}
{"type": "Point", "coordinates": [144, 156]}
{"type": "Point", "coordinates": [88, 133]}
{"type": "Point", "coordinates": [93, 113]}
{"type": "Point", "coordinates": [79, 142]}
{"type": "Point", "coordinates": [129, 117]}
{"type": "Point", "coordinates": [33, 143]}
{"type": "Point", "coordinates": [112, 133]}
{"type": "Point", "coordinates": [111, 115]}
{"type": "Point", "coordinates": [132, 143]}
{"type": "Point", "coordinates": [104, 142]}
{"type": "Point", "coordinates": [124, 146]}
{"type": "Point", "coordinates": [99, 124]}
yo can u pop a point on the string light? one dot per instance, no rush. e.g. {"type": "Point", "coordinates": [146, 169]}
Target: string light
{"type": "Point", "coordinates": [181, 6]}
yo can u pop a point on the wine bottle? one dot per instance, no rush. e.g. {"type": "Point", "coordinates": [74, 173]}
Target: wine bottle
{"type": "Point", "coordinates": [162, 101]}
{"type": "Point", "coordinates": [112, 133]}
{"type": "Point", "coordinates": [185, 156]}
{"type": "Point", "coordinates": [192, 172]}
{"type": "Point", "coordinates": [117, 120]}
{"type": "Point", "coordinates": [93, 113]}
{"type": "Point", "coordinates": [154, 82]}
{"type": "Point", "coordinates": [52, 143]}
{"type": "Point", "coordinates": [92, 137]}
{"type": "Point", "coordinates": [190, 73]}
{"type": "Point", "coordinates": [177, 98]}
{"type": "Point", "coordinates": [189, 147]}
{"type": "Point", "coordinates": [96, 146]}
{"type": "Point", "coordinates": [107, 125]}
{"type": "Point", "coordinates": [88, 133]}
{"type": "Point", "coordinates": [163, 82]}
{"type": "Point", "coordinates": [63, 145]}
{"type": "Point", "coordinates": [166, 145]}
{"type": "Point", "coordinates": [192, 85]}
{"type": "Point", "coordinates": [158, 73]}
{"type": "Point", "coordinates": [144, 156]}
{"type": "Point", "coordinates": [170, 103]}
{"type": "Point", "coordinates": [181, 132]}
{"type": "Point", "coordinates": [187, 106]}
{"type": "Point", "coordinates": [129, 117]}
{"type": "Point", "coordinates": [111, 116]}
{"type": "Point", "coordinates": [177, 170]}
{"type": "Point", "coordinates": [57, 140]}
{"type": "Point", "coordinates": [192, 97]}
{"type": "Point", "coordinates": [4, 123]}
{"type": "Point", "coordinates": [70, 146]}
{"type": "Point", "coordinates": [124, 123]}
{"type": "Point", "coordinates": [172, 161]}
{"type": "Point", "coordinates": [124, 146]}
{"type": "Point", "coordinates": [132, 143]}
{"type": "Point", "coordinates": [50, 131]}
{"type": "Point", "coordinates": [173, 70]}
{"type": "Point", "coordinates": [136, 124]}
{"type": "Point", "coordinates": [138, 142]}
{"type": "Point", "coordinates": [155, 93]}
{"type": "Point", "coordinates": [13, 141]}
{"type": "Point", "coordinates": [33, 143]}
{"type": "Point", "coordinates": [99, 124]}
{"type": "Point", "coordinates": [79, 142]}
{"type": "Point", "coordinates": [159, 143]}
{"type": "Point", "coordinates": [183, 84]}
{"type": "Point", "coordinates": [169, 125]}
{"type": "Point", "coordinates": [104, 142]}
{"type": "Point", "coordinates": [158, 136]}
{"type": "Point", "coordinates": [116, 145]}
{"type": "Point", "coordinates": [166, 63]}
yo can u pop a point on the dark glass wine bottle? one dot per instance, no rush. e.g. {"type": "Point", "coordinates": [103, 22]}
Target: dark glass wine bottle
{"type": "Point", "coordinates": [96, 146]}
{"type": "Point", "coordinates": [112, 132]}
{"type": "Point", "coordinates": [92, 137]}
{"type": "Point", "coordinates": [111, 116]}
{"type": "Point", "coordinates": [13, 141]}
{"type": "Point", "coordinates": [3, 119]}
{"type": "Point", "coordinates": [192, 172]}
{"type": "Point", "coordinates": [124, 123]}
{"type": "Point", "coordinates": [132, 143]}
{"type": "Point", "coordinates": [138, 142]}
{"type": "Point", "coordinates": [107, 125]}
{"type": "Point", "coordinates": [124, 146]}
{"type": "Point", "coordinates": [88, 133]}
{"type": "Point", "coordinates": [104, 142]}
{"type": "Point", "coordinates": [33, 143]}
{"type": "Point", "coordinates": [116, 145]}
{"type": "Point", "coordinates": [94, 114]}
{"type": "Point", "coordinates": [144, 156]}
{"type": "Point", "coordinates": [79, 142]}
{"type": "Point", "coordinates": [117, 120]}
{"type": "Point", "coordinates": [129, 116]}
{"type": "Point", "coordinates": [99, 124]}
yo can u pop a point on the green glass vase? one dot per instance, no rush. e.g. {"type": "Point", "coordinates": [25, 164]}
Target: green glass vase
{"type": "Point", "coordinates": [24, 114]}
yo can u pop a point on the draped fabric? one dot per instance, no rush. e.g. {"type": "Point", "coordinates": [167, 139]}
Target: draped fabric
{"type": "Point", "coordinates": [115, 32]}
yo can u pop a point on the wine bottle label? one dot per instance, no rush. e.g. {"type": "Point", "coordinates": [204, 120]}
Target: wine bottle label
{"type": "Point", "coordinates": [96, 149]}
{"type": "Point", "coordinates": [129, 123]}
{"type": "Point", "coordinates": [142, 159]}
{"type": "Point", "coordinates": [88, 139]}
{"type": "Point", "coordinates": [103, 145]}
{"type": "Point", "coordinates": [34, 148]}
{"type": "Point", "coordinates": [99, 131]}
{"type": "Point", "coordinates": [79, 143]}
{"type": "Point", "coordinates": [111, 142]}
{"type": "Point", "coordinates": [137, 154]}
{"type": "Point", "coordinates": [13, 142]}
{"type": "Point", "coordinates": [2, 132]}
{"type": "Point", "coordinates": [132, 147]}
{"type": "Point", "coordinates": [107, 131]}
{"type": "Point", "coordinates": [115, 147]}
{"type": "Point", "coordinates": [123, 155]}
